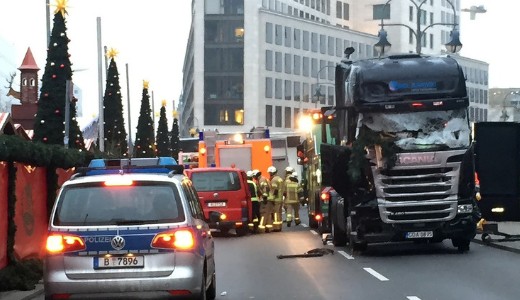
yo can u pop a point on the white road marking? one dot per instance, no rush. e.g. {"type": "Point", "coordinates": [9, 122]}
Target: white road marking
{"type": "Point", "coordinates": [413, 298]}
{"type": "Point", "coordinates": [314, 232]}
{"type": "Point", "coordinates": [375, 274]}
{"type": "Point", "coordinates": [347, 256]}
{"type": "Point", "coordinates": [304, 225]}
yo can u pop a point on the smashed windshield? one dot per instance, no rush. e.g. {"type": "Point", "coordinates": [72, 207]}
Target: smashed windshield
{"type": "Point", "coordinates": [422, 130]}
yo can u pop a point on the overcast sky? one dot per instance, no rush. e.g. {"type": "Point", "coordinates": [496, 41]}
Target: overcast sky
{"type": "Point", "coordinates": [151, 37]}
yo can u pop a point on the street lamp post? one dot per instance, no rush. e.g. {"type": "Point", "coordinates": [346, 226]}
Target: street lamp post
{"type": "Point", "coordinates": [317, 92]}
{"type": "Point", "coordinates": [452, 46]}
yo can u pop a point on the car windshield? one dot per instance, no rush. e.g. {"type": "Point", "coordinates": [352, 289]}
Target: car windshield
{"type": "Point", "coordinates": [428, 130]}
{"type": "Point", "coordinates": [216, 181]}
{"type": "Point", "coordinates": [140, 203]}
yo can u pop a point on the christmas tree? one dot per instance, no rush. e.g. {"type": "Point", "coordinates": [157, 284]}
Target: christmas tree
{"type": "Point", "coordinates": [49, 126]}
{"type": "Point", "coordinates": [114, 125]}
{"type": "Point", "coordinates": [144, 138]}
{"type": "Point", "coordinates": [175, 139]}
{"type": "Point", "coordinates": [163, 142]}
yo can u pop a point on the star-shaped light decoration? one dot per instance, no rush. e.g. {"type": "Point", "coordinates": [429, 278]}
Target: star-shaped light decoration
{"type": "Point", "coordinates": [61, 7]}
{"type": "Point", "coordinates": [112, 53]}
{"type": "Point", "coordinates": [145, 84]}
{"type": "Point", "coordinates": [163, 102]}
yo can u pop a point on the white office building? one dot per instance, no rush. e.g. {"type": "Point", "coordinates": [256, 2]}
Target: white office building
{"type": "Point", "coordinates": [252, 63]}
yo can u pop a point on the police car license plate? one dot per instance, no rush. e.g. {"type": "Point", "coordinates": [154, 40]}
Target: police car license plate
{"type": "Point", "coordinates": [419, 234]}
{"type": "Point", "coordinates": [216, 204]}
{"type": "Point", "coordinates": [119, 262]}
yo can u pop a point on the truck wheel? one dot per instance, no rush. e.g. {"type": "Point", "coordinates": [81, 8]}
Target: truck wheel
{"type": "Point", "coordinates": [353, 244]}
{"type": "Point", "coordinates": [339, 238]}
{"type": "Point", "coordinates": [242, 230]}
{"type": "Point", "coordinates": [312, 222]}
{"type": "Point", "coordinates": [461, 244]}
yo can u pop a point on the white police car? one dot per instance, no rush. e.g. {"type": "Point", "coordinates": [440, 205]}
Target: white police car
{"type": "Point", "coordinates": [129, 228]}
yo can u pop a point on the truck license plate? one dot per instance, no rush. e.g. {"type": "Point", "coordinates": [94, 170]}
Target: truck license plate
{"type": "Point", "coordinates": [419, 234]}
{"type": "Point", "coordinates": [216, 204]}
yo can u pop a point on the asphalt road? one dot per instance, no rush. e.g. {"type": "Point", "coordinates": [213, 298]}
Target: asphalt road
{"type": "Point", "coordinates": [248, 268]}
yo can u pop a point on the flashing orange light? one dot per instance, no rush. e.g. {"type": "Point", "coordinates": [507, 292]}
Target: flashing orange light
{"type": "Point", "coordinates": [317, 217]}
{"type": "Point", "coordinates": [267, 148]}
{"type": "Point", "coordinates": [223, 217]}
{"type": "Point", "coordinates": [316, 116]}
{"type": "Point", "coordinates": [57, 243]}
{"type": "Point", "coordinates": [119, 181]}
{"type": "Point", "coordinates": [202, 151]}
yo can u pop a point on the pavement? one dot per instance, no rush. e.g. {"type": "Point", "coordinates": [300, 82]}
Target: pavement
{"type": "Point", "coordinates": [500, 235]}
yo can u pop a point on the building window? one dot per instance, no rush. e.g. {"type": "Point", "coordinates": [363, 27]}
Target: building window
{"type": "Point", "coordinates": [323, 44]}
{"type": "Point", "coordinates": [339, 49]}
{"type": "Point", "coordinates": [297, 91]}
{"type": "Point", "coordinates": [288, 61]}
{"type": "Point", "coordinates": [431, 41]}
{"type": "Point", "coordinates": [268, 60]}
{"type": "Point", "coordinates": [268, 115]}
{"type": "Point", "coordinates": [330, 98]}
{"type": "Point", "coordinates": [24, 82]}
{"type": "Point", "coordinates": [269, 33]}
{"type": "Point", "coordinates": [410, 13]}
{"type": "Point", "coordinates": [323, 72]}
{"type": "Point", "coordinates": [330, 44]}
{"type": "Point", "coordinates": [339, 9]}
{"type": "Point", "coordinates": [297, 65]}
{"type": "Point", "coordinates": [305, 92]}
{"type": "Point", "coordinates": [305, 45]}
{"type": "Point", "coordinates": [297, 38]}
{"type": "Point", "coordinates": [410, 36]}
{"type": "Point", "coordinates": [314, 68]}
{"type": "Point", "coordinates": [431, 18]}
{"type": "Point", "coordinates": [296, 116]}
{"type": "Point", "coordinates": [423, 17]}
{"type": "Point", "coordinates": [288, 90]}
{"type": "Point", "coordinates": [278, 34]}
{"type": "Point", "coordinates": [314, 42]}
{"type": "Point", "coordinates": [278, 89]}
{"type": "Point", "coordinates": [381, 11]}
{"type": "Point", "coordinates": [268, 87]}
{"type": "Point", "coordinates": [278, 116]}
{"type": "Point", "coordinates": [288, 36]}
{"type": "Point", "coordinates": [305, 71]}
{"type": "Point", "coordinates": [278, 61]}
{"type": "Point", "coordinates": [32, 82]}
{"type": "Point", "coordinates": [287, 117]}
{"type": "Point", "coordinates": [346, 15]}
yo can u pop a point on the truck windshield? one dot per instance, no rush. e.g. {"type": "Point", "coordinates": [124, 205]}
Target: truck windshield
{"type": "Point", "coordinates": [425, 130]}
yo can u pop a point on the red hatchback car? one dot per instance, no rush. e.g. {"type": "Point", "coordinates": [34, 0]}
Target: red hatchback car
{"type": "Point", "coordinates": [224, 190]}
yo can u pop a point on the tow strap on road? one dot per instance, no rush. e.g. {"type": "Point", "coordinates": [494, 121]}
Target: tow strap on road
{"type": "Point", "coordinates": [311, 253]}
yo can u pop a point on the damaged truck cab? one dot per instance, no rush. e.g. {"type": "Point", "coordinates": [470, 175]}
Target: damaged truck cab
{"type": "Point", "coordinates": [403, 166]}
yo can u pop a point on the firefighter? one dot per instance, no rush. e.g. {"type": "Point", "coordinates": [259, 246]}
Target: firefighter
{"type": "Point", "coordinates": [288, 171]}
{"type": "Point", "coordinates": [276, 198]}
{"type": "Point", "coordinates": [253, 188]}
{"type": "Point", "coordinates": [292, 192]}
{"type": "Point", "coordinates": [264, 187]}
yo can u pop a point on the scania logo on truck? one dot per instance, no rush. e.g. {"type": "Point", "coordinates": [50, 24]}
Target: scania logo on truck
{"type": "Point", "coordinates": [416, 159]}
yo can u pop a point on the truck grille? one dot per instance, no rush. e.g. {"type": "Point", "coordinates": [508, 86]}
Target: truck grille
{"type": "Point", "coordinates": [418, 193]}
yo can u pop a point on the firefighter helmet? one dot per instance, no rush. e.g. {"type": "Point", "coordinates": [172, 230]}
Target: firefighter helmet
{"type": "Point", "coordinates": [249, 174]}
{"type": "Point", "coordinates": [256, 173]}
{"type": "Point", "coordinates": [289, 170]}
{"type": "Point", "coordinates": [271, 170]}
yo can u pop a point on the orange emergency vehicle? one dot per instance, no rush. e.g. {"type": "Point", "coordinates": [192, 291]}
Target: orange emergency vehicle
{"type": "Point", "coordinates": [246, 151]}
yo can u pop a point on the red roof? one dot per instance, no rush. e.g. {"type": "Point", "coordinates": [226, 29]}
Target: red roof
{"type": "Point", "coordinates": [28, 62]}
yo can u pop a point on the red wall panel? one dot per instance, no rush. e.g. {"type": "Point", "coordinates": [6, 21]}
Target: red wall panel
{"type": "Point", "coordinates": [31, 211]}
{"type": "Point", "coordinates": [3, 214]}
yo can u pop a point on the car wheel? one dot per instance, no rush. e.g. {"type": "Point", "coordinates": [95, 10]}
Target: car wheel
{"type": "Point", "coordinates": [461, 244]}
{"type": "Point", "coordinates": [242, 230]}
{"type": "Point", "coordinates": [211, 292]}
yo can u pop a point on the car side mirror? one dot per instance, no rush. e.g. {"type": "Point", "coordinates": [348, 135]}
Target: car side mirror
{"type": "Point", "coordinates": [215, 216]}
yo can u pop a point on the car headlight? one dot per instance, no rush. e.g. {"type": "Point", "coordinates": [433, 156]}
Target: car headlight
{"type": "Point", "coordinates": [464, 208]}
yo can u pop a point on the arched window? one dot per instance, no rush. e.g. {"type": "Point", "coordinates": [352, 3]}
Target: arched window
{"type": "Point", "coordinates": [24, 82]}
{"type": "Point", "coordinates": [32, 82]}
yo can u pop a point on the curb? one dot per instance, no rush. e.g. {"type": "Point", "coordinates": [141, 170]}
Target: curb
{"type": "Point", "coordinates": [497, 246]}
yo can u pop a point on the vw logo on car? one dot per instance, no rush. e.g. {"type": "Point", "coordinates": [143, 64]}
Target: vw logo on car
{"type": "Point", "coordinates": [118, 242]}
